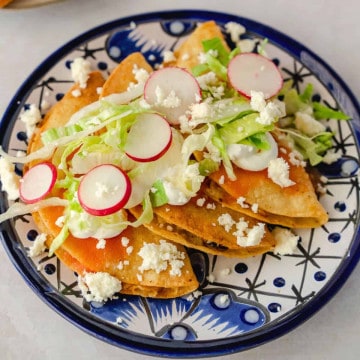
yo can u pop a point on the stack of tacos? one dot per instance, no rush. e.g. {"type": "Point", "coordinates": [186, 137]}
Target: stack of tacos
{"type": "Point", "coordinates": [194, 224]}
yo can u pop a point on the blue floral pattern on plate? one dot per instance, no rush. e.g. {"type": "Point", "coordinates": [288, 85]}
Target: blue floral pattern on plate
{"type": "Point", "coordinates": [241, 302]}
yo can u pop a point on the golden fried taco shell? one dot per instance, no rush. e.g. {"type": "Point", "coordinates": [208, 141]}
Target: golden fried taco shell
{"type": "Point", "coordinates": [187, 54]}
{"type": "Point", "coordinates": [197, 226]}
{"type": "Point", "coordinates": [295, 206]}
{"type": "Point", "coordinates": [81, 255]}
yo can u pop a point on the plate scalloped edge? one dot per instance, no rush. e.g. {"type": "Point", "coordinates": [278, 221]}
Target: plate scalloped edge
{"type": "Point", "coordinates": [97, 322]}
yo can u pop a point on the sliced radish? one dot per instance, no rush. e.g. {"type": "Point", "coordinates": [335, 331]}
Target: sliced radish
{"type": "Point", "coordinates": [149, 138]}
{"type": "Point", "coordinates": [104, 190]}
{"type": "Point", "coordinates": [37, 182]}
{"type": "Point", "coordinates": [253, 72]}
{"type": "Point", "coordinates": [171, 91]}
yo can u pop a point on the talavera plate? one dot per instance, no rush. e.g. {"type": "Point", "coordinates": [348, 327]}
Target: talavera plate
{"type": "Point", "coordinates": [268, 295]}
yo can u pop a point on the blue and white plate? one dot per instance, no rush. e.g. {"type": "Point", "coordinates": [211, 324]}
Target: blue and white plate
{"type": "Point", "coordinates": [249, 301]}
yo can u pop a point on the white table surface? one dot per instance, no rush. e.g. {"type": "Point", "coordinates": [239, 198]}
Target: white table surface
{"type": "Point", "coordinates": [29, 329]}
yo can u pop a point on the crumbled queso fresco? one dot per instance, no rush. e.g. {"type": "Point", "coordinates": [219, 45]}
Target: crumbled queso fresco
{"type": "Point", "coordinates": [80, 70]}
{"type": "Point", "coordinates": [98, 286]}
{"type": "Point", "coordinates": [278, 172]}
{"type": "Point", "coordinates": [31, 117]}
{"type": "Point", "coordinates": [245, 236]}
{"type": "Point", "coordinates": [9, 179]}
{"type": "Point", "coordinates": [158, 257]}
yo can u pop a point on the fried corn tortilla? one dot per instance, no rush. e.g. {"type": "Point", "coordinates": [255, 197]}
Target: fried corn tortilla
{"type": "Point", "coordinates": [123, 74]}
{"type": "Point", "coordinates": [196, 225]}
{"type": "Point", "coordinates": [190, 225]}
{"type": "Point", "coordinates": [187, 55]}
{"type": "Point", "coordinates": [295, 206]}
{"type": "Point", "coordinates": [81, 255]}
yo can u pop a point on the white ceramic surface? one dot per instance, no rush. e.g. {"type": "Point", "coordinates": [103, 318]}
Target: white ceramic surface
{"type": "Point", "coordinates": [43, 334]}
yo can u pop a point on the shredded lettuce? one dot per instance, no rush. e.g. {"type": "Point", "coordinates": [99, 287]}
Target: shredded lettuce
{"type": "Point", "coordinates": [219, 143]}
{"type": "Point", "coordinates": [240, 129]}
{"type": "Point", "coordinates": [207, 166]}
{"type": "Point", "coordinates": [315, 146]}
{"type": "Point", "coordinates": [322, 111]}
{"type": "Point", "coordinates": [217, 58]}
{"type": "Point", "coordinates": [59, 239]}
{"type": "Point", "coordinates": [157, 194]}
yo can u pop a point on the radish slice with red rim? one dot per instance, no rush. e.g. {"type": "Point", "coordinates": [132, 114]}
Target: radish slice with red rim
{"type": "Point", "coordinates": [149, 138]}
{"type": "Point", "coordinates": [253, 72]}
{"type": "Point", "coordinates": [37, 182]}
{"type": "Point", "coordinates": [171, 91]}
{"type": "Point", "coordinates": [104, 190]}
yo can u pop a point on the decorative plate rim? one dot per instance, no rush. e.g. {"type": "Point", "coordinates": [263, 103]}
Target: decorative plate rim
{"type": "Point", "coordinates": [141, 343]}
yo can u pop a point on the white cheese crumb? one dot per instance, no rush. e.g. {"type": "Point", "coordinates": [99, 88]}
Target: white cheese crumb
{"type": "Point", "coordinates": [272, 111]}
{"type": "Point", "coordinates": [30, 117]}
{"type": "Point", "coordinates": [38, 246]}
{"type": "Point", "coordinates": [211, 206]}
{"type": "Point", "coordinates": [80, 70]}
{"type": "Point", "coordinates": [76, 93]}
{"type": "Point", "coordinates": [331, 156]}
{"type": "Point", "coordinates": [141, 75]}
{"type": "Point", "coordinates": [320, 189]}
{"type": "Point", "coordinates": [286, 241]}
{"type": "Point", "coordinates": [202, 58]}
{"type": "Point", "coordinates": [221, 180]}
{"type": "Point", "coordinates": [241, 201]}
{"type": "Point", "coordinates": [158, 257]}
{"type": "Point", "coordinates": [101, 244]}
{"type": "Point", "coordinates": [296, 159]}
{"type": "Point", "coordinates": [169, 101]}
{"type": "Point", "coordinates": [278, 172]}
{"type": "Point", "coordinates": [324, 179]}
{"type": "Point", "coordinates": [10, 181]}
{"type": "Point", "coordinates": [307, 124]}
{"type": "Point", "coordinates": [211, 278]}
{"type": "Point", "coordinates": [200, 111]}
{"type": "Point", "coordinates": [200, 202]}
{"type": "Point", "coordinates": [255, 208]}
{"type": "Point", "coordinates": [226, 221]}
{"type": "Point", "coordinates": [99, 90]}
{"type": "Point", "coordinates": [246, 45]}
{"type": "Point", "coordinates": [235, 30]}
{"type": "Point", "coordinates": [207, 80]}
{"type": "Point", "coordinates": [120, 265]}
{"type": "Point", "coordinates": [253, 236]}
{"type": "Point", "coordinates": [98, 286]}
{"type": "Point", "coordinates": [129, 250]}
{"type": "Point", "coordinates": [168, 56]}
{"type": "Point", "coordinates": [125, 241]}
{"type": "Point", "coordinates": [257, 100]}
